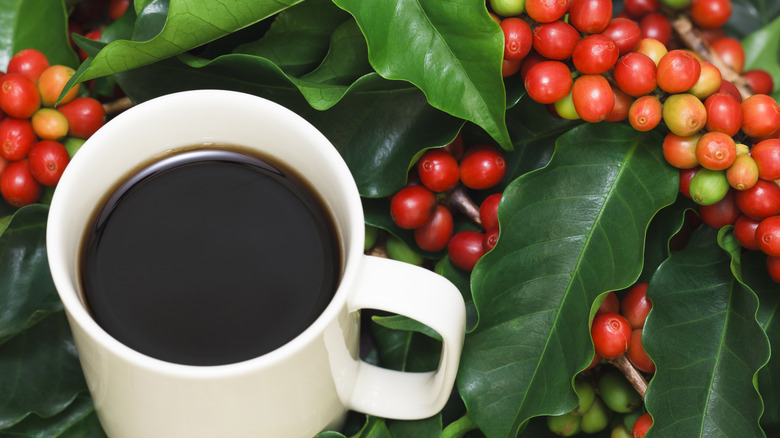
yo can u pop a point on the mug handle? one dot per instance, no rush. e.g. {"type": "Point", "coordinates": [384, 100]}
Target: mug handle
{"type": "Point", "coordinates": [428, 298]}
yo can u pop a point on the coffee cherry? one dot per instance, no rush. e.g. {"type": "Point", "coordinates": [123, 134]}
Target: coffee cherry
{"type": "Point", "coordinates": [19, 97]}
{"type": "Point", "coordinates": [397, 249]}
{"type": "Point", "coordinates": [760, 81]}
{"type": "Point", "coordinates": [610, 333]}
{"type": "Point", "coordinates": [639, 8]}
{"type": "Point", "coordinates": [635, 306]}
{"type": "Point", "coordinates": [622, 104]}
{"type": "Point", "coordinates": [555, 40]}
{"type": "Point", "coordinates": [435, 234]}
{"type": "Point", "coordinates": [548, 81]}
{"type": "Point", "coordinates": [18, 186]}
{"type": "Point", "coordinates": [611, 304]}
{"type": "Point", "coordinates": [16, 138]}
{"type": "Point", "coordinates": [85, 116]}
{"type": "Point", "coordinates": [710, 13]}
{"type": "Point", "coordinates": [637, 354]}
{"type": "Point", "coordinates": [371, 235]}
{"type": "Point", "coordinates": [438, 170]}
{"type": "Point", "coordinates": [52, 82]}
{"type": "Point", "coordinates": [724, 113]}
{"type": "Point", "coordinates": [617, 392]}
{"type": "Point", "coordinates": [760, 115]}
{"type": "Point", "coordinates": [412, 206]}
{"type": "Point", "coordinates": [766, 155]}
{"type": "Point", "coordinates": [773, 267]}
{"type": "Point", "coordinates": [645, 113]}
{"type": "Point", "coordinates": [564, 425]}
{"type": "Point", "coordinates": [743, 173]}
{"type": "Point", "coordinates": [482, 169]}
{"type": "Point", "coordinates": [546, 11]}
{"type": "Point", "coordinates": [586, 395]}
{"type": "Point", "coordinates": [745, 231]}
{"type": "Point", "coordinates": [642, 425]}
{"type": "Point", "coordinates": [590, 16]}
{"type": "Point", "coordinates": [595, 54]}
{"type": "Point", "coordinates": [49, 124]}
{"type": "Point", "coordinates": [721, 213]}
{"type": "Point", "coordinates": [686, 176]}
{"type": "Point", "coordinates": [117, 8]}
{"type": "Point", "coordinates": [465, 249]}
{"type": "Point", "coordinates": [490, 239]}
{"type": "Point", "coordinates": [596, 418]}
{"type": "Point", "coordinates": [517, 38]}
{"type": "Point", "coordinates": [652, 48]}
{"type": "Point", "coordinates": [709, 81]}
{"type": "Point", "coordinates": [680, 151]}
{"type": "Point", "coordinates": [28, 62]}
{"type": "Point", "coordinates": [708, 186]}
{"type": "Point", "coordinates": [625, 33]}
{"type": "Point", "coordinates": [48, 159]}
{"type": "Point", "coordinates": [716, 151]}
{"type": "Point", "coordinates": [760, 201]}
{"type": "Point", "coordinates": [593, 97]}
{"type": "Point", "coordinates": [656, 26]}
{"type": "Point", "coordinates": [684, 114]}
{"type": "Point", "coordinates": [488, 211]}
{"type": "Point", "coordinates": [620, 431]}
{"type": "Point", "coordinates": [731, 52]}
{"type": "Point", "coordinates": [677, 71]}
{"type": "Point", "coordinates": [768, 236]}
{"type": "Point", "coordinates": [635, 74]}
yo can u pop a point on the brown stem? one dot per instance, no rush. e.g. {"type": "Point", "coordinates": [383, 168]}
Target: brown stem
{"type": "Point", "coordinates": [694, 41]}
{"type": "Point", "coordinates": [458, 199]}
{"type": "Point", "coordinates": [632, 374]}
{"type": "Point", "coordinates": [117, 106]}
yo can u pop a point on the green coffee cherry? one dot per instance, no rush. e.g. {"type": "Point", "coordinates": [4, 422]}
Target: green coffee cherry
{"type": "Point", "coordinates": [564, 425]}
{"type": "Point", "coordinates": [397, 249]}
{"type": "Point", "coordinates": [507, 8]}
{"type": "Point", "coordinates": [371, 235]}
{"type": "Point", "coordinates": [709, 186]}
{"type": "Point", "coordinates": [630, 418]}
{"type": "Point", "coordinates": [618, 394]}
{"type": "Point", "coordinates": [620, 431]}
{"type": "Point", "coordinates": [677, 4]}
{"type": "Point", "coordinates": [72, 145]}
{"type": "Point", "coordinates": [565, 108]}
{"type": "Point", "coordinates": [586, 395]}
{"type": "Point", "coordinates": [596, 418]}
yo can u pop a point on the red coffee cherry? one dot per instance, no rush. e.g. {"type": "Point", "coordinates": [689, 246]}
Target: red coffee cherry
{"type": "Point", "coordinates": [656, 26]}
{"type": "Point", "coordinates": [555, 40]}
{"type": "Point", "coordinates": [680, 151]}
{"type": "Point", "coordinates": [731, 52]}
{"type": "Point", "coordinates": [637, 355]}
{"type": "Point", "coordinates": [48, 159]}
{"type": "Point", "coordinates": [760, 116]}
{"type": "Point", "coordinates": [773, 267]}
{"type": "Point", "coordinates": [595, 54]}
{"type": "Point", "coordinates": [546, 11]}
{"type": "Point", "coordinates": [724, 113]}
{"type": "Point", "coordinates": [19, 97]}
{"type": "Point", "coordinates": [710, 13]}
{"type": "Point", "coordinates": [645, 113]}
{"type": "Point", "coordinates": [117, 8]}
{"type": "Point", "coordinates": [722, 213]}
{"type": "Point", "coordinates": [760, 81]}
{"type": "Point", "coordinates": [637, 9]}
{"type": "Point", "coordinates": [686, 176]}
{"type": "Point", "coordinates": [593, 97]}
{"type": "Point", "coordinates": [51, 83]}
{"type": "Point", "coordinates": [767, 157]}
{"type": "Point", "coordinates": [436, 233]}
{"type": "Point", "coordinates": [517, 38]}
{"type": "Point", "coordinates": [625, 33]}
{"type": "Point", "coordinates": [85, 116]}
{"type": "Point", "coordinates": [465, 249]}
{"type": "Point", "coordinates": [768, 236]}
{"type": "Point", "coordinates": [745, 231]}
{"type": "Point", "coordinates": [611, 304]}
{"type": "Point", "coordinates": [635, 306]}
{"type": "Point", "coordinates": [677, 71]}
{"type": "Point", "coordinates": [590, 16]}
{"type": "Point", "coordinates": [18, 186]}
{"type": "Point", "coordinates": [16, 138]}
{"type": "Point", "coordinates": [622, 104]}
{"type": "Point", "coordinates": [28, 62]}
{"type": "Point", "coordinates": [760, 201]}
{"type": "Point", "coordinates": [438, 170]}
{"type": "Point", "coordinates": [635, 74]}
{"type": "Point", "coordinates": [743, 172]}
{"type": "Point", "coordinates": [548, 81]}
{"type": "Point", "coordinates": [728, 87]}
{"type": "Point", "coordinates": [611, 334]}
{"type": "Point", "coordinates": [412, 206]}
{"type": "Point", "coordinates": [490, 239]}
{"type": "Point", "coordinates": [488, 211]}
{"type": "Point", "coordinates": [642, 425]}
{"type": "Point", "coordinates": [483, 168]}
{"type": "Point", "coordinates": [716, 150]}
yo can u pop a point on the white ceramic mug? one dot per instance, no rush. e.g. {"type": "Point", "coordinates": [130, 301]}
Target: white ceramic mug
{"type": "Point", "coordinates": [297, 390]}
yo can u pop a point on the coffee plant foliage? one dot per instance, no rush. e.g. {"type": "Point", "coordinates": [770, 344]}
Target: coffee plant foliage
{"type": "Point", "coordinates": [587, 209]}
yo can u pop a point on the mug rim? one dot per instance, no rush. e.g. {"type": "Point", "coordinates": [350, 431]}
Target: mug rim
{"type": "Point", "coordinates": [69, 292]}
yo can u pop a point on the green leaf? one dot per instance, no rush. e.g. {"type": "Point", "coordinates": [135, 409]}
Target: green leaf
{"type": "Point", "coordinates": [450, 50]}
{"type": "Point", "coordinates": [40, 25]}
{"type": "Point", "coordinates": [39, 372]}
{"type": "Point", "coordinates": [703, 336]}
{"type": "Point", "coordinates": [77, 420]}
{"type": "Point", "coordinates": [28, 292]}
{"type": "Point", "coordinates": [749, 15]}
{"type": "Point", "coordinates": [762, 50]}
{"type": "Point", "coordinates": [404, 350]}
{"type": "Point", "coordinates": [570, 231]}
{"type": "Point", "coordinates": [668, 224]}
{"type": "Point", "coordinates": [425, 428]}
{"type": "Point", "coordinates": [188, 24]}
{"type": "Point", "coordinates": [400, 322]}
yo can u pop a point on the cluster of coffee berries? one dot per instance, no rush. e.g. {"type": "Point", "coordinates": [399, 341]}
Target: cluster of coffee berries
{"type": "Point", "coordinates": [34, 125]}
{"type": "Point", "coordinates": [616, 331]}
{"type": "Point", "coordinates": [606, 398]}
{"type": "Point", "coordinates": [422, 204]}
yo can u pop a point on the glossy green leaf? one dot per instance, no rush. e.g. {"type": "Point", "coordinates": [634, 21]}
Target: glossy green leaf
{"type": "Point", "coordinates": [574, 229]}
{"type": "Point", "coordinates": [405, 350]}
{"type": "Point", "coordinates": [762, 51]}
{"type": "Point", "coordinates": [755, 275]}
{"type": "Point", "coordinates": [425, 428]}
{"type": "Point", "coordinates": [39, 372]}
{"type": "Point", "coordinates": [666, 232]}
{"type": "Point", "coordinates": [189, 24]}
{"type": "Point", "coordinates": [450, 50]}
{"type": "Point", "coordinates": [27, 293]}
{"type": "Point", "coordinates": [749, 15]}
{"type": "Point", "coordinates": [38, 25]}
{"type": "Point", "coordinates": [704, 385]}
{"type": "Point", "coordinates": [77, 420]}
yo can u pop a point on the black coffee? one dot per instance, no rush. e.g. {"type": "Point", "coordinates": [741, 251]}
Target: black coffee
{"type": "Point", "coordinates": [210, 257]}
